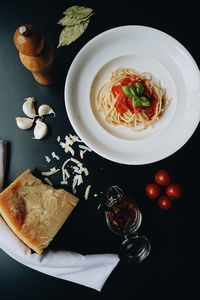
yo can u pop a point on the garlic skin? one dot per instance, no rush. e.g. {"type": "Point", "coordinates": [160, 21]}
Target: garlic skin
{"type": "Point", "coordinates": [24, 123]}
{"type": "Point", "coordinates": [45, 109]}
{"type": "Point", "coordinates": [40, 130]}
{"type": "Point", "coordinates": [29, 107]}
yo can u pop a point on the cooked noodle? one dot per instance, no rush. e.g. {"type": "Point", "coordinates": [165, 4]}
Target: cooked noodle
{"type": "Point", "coordinates": [137, 120]}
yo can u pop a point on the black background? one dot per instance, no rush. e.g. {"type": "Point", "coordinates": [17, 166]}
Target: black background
{"type": "Point", "coordinates": [170, 269]}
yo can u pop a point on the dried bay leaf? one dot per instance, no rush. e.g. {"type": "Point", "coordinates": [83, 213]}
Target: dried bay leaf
{"type": "Point", "coordinates": [78, 12]}
{"type": "Point", "coordinates": [67, 21]}
{"type": "Point", "coordinates": [70, 33]}
{"type": "Point", "coordinates": [76, 20]}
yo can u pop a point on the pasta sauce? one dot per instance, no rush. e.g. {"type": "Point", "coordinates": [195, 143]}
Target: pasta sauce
{"type": "Point", "coordinates": [123, 103]}
{"type": "Point", "coordinates": [129, 99]}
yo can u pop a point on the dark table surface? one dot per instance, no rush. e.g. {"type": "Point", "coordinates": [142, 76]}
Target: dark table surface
{"type": "Point", "coordinates": [170, 269]}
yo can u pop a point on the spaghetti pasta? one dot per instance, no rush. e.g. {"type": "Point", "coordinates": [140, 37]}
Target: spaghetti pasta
{"type": "Point", "coordinates": [131, 99]}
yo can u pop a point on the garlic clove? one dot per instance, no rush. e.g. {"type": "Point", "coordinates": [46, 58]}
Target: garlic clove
{"type": "Point", "coordinates": [29, 108]}
{"type": "Point", "coordinates": [45, 109]}
{"type": "Point", "coordinates": [24, 123]}
{"type": "Point", "coordinates": [40, 130]}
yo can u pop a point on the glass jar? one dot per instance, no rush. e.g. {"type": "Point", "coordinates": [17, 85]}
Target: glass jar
{"type": "Point", "coordinates": [124, 218]}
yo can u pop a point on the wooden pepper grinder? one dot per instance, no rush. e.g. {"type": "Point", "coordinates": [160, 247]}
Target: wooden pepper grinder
{"type": "Point", "coordinates": [35, 53]}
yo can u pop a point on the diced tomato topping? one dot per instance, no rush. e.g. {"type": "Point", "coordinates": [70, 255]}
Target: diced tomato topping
{"type": "Point", "coordinates": [122, 108]}
{"type": "Point", "coordinates": [123, 104]}
{"type": "Point", "coordinates": [137, 109]}
{"type": "Point", "coordinates": [150, 111]}
{"type": "Point", "coordinates": [117, 104]}
{"type": "Point", "coordinates": [117, 91]}
{"type": "Point", "coordinates": [130, 105]}
{"type": "Point", "coordinates": [154, 102]}
{"type": "Point", "coordinates": [131, 80]}
{"type": "Point", "coordinates": [127, 81]}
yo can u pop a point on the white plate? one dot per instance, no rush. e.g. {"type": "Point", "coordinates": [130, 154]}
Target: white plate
{"type": "Point", "coordinates": [146, 50]}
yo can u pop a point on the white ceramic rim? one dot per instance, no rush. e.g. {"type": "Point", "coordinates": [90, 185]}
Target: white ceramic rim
{"type": "Point", "coordinates": [166, 52]}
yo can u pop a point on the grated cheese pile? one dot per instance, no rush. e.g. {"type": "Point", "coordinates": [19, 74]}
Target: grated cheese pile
{"type": "Point", "coordinates": [71, 168]}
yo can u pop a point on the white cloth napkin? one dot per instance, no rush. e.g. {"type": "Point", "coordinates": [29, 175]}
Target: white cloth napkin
{"type": "Point", "coordinates": [89, 270]}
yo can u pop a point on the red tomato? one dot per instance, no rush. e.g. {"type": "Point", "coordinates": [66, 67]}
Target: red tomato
{"type": "Point", "coordinates": [117, 91]}
{"type": "Point", "coordinates": [150, 110]}
{"type": "Point", "coordinates": [162, 177]}
{"type": "Point", "coordinates": [122, 108]}
{"type": "Point", "coordinates": [121, 99]}
{"type": "Point", "coordinates": [153, 190]}
{"type": "Point", "coordinates": [126, 81]}
{"type": "Point", "coordinates": [130, 105]}
{"type": "Point", "coordinates": [117, 104]}
{"type": "Point", "coordinates": [131, 80]}
{"type": "Point", "coordinates": [174, 190]}
{"type": "Point", "coordinates": [137, 109]}
{"type": "Point", "coordinates": [134, 110]}
{"type": "Point", "coordinates": [165, 202]}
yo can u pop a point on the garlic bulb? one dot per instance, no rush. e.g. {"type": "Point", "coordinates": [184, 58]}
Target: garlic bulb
{"type": "Point", "coordinates": [40, 130]}
{"type": "Point", "coordinates": [29, 108]}
{"type": "Point", "coordinates": [45, 109]}
{"type": "Point", "coordinates": [24, 123]}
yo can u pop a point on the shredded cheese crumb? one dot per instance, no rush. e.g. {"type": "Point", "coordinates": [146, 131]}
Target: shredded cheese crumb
{"type": "Point", "coordinates": [48, 181]}
{"type": "Point", "coordinates": [87, 191]}
{"type": "Point", "coordinates": [64, 182]}
{"type": "Point", "coordinates": [71, 167]}
{"type": "Point", "coordinates": [75, 138]}
{"type": "Point", "coordinates": [67, 148]}
{"type": "Point", "coordinates": [47, 158]}
{"type": "Point", "coordinates": [55, 156]}
{"type": "Point", "coordinates": [85, 148]}
{"type": "Point", "coordinates": [51, 172]}
{"type": "Point", "coordinates": [81, 153]}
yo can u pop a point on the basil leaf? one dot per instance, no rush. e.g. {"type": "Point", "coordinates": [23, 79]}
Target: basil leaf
{"type": "Point", "coordinates": [141, 101]}
{"type": "Point", "coordinates": [137, 101]}
{"type": "Point", "coordinates": [126, 90]}
{"type": "Point", "coordinates": [139, 88]}
{"type": "Point", "coordinates": [145, 101]}
{"type": "Point", "coordinates": [133, 92]}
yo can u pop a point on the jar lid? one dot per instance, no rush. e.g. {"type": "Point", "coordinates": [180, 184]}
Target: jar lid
{"type": "Point", "coordinates": [134, 249]}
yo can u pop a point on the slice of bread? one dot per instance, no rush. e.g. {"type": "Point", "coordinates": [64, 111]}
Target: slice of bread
{"type": "Point", "coordinates": [35, 211]}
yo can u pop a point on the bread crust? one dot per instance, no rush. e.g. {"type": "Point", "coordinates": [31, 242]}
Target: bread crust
{"type": "Point", "coordinates": [34, 210]}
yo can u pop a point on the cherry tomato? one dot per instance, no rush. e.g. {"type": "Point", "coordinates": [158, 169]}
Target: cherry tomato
{"type": "Point", "coordinates": [162, 177]}
{"type": "Point", "coordinates": [165, 202]}
{"type": "Point", "coordinates": [174, 190]}
{"type": "Point", "coordinates": [153, 190]}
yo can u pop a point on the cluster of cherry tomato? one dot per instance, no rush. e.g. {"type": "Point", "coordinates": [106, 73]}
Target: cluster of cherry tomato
{"type": "Point", "coordinates": [163, 182]}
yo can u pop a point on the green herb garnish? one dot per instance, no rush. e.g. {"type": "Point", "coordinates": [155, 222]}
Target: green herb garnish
{"type": "Point", "coordinates": [136, 94]}
{"type": "Point", "coordinates": [139, 88]}
{"type": "Point", "coordinates": [127, 92]}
